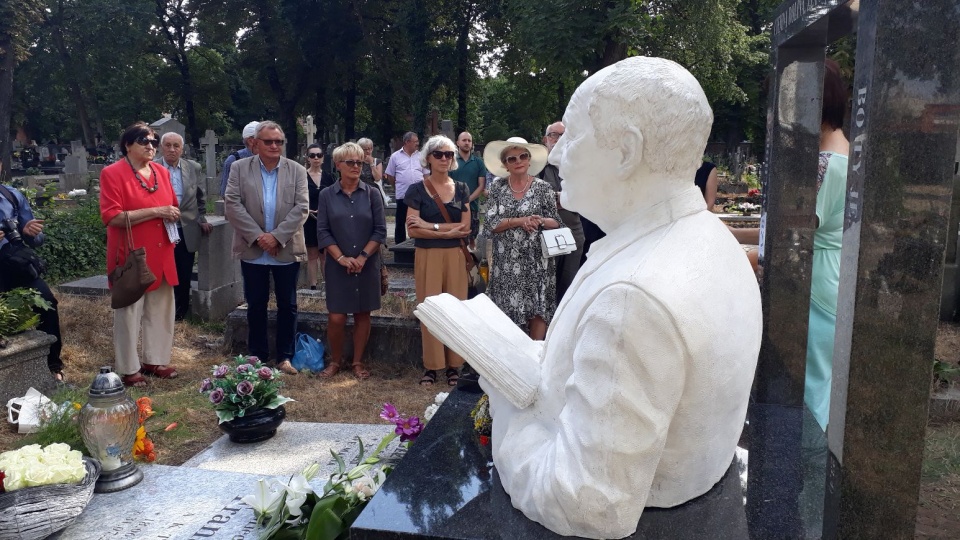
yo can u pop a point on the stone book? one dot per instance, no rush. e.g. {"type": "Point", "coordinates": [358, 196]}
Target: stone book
{"type": "Point", "coordinates": [490, 342]}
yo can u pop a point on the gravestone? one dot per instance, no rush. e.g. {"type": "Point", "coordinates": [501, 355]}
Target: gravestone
{"type": "Point", "coordinates": [168, 124]}
{"type": "Point", "coordinates": [446, 128]}
{"type": "Point", "coordinates": [74, 168]}
{"type": "Point", "coordinates": [23, 364]}
{"type": "Point", "coordinates": [895, 230]}
{"type": "Point", "coordinates": [309, 129]}
{"type": "Point", "coordinates": [219, 282]}
{"type": "Point", "coordinates": [209, 144]}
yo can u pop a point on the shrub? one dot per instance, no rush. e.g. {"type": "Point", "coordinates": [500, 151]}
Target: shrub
{"type": "Point", "coordinates": [75, 241]}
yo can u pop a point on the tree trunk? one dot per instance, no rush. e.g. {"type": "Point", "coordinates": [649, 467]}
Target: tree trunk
{"type": "Point", "coordinates": [192, 129]}
{"type": "Point", "coordinates": [350, 113]}
{"type": "Point", "coordinates": [73, 81]}
{"type": "Point", "coordinates": [561, 99]}
{"type": "Point", "coordinates": [463, 71]}
{"type": "Point", "coordinates": [7, 64]}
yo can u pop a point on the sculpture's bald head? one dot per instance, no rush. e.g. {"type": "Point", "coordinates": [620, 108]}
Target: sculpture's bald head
{"type": "Point", "coordinates": [659, 99]}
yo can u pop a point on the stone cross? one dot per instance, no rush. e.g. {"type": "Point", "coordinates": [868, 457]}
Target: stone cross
{"type": "Point", "coordinates": [309, 129]}
{"type": "Point", "coordinates": [77, 148]}
{"type": "Point", "coordinates": [209, 144]}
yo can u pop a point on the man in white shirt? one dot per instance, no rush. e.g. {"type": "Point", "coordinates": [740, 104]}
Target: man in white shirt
{"type": "Point", "coordinates": [185, 176]}
{"type": "Point", "coordinates": [403, 171]}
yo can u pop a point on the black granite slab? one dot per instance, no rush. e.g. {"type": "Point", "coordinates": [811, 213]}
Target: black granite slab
{"type": "Point", "coordinates": [447, 487]}
{"type": "Point", "coordinates": [403, 254]}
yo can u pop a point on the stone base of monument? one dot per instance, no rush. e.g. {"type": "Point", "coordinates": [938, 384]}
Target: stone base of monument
{"type": "Point", "coordinates": [392, 339]}
{"type": "Point", "coordinates": [403, 254]}
{"type": "Point", "coordinates": [201, 498]}
{"type": "Point", "coordinates": [216, 304]}
{"type": "Point", "coordinates": [23, 364]}
{"type": "Point", "coordinates": [447, 487]}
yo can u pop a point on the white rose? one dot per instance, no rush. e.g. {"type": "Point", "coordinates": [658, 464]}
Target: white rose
{"type": "Point", "coordinates": [36, 474]}
{"type": "Point", "coordinates": [431, 410]}
{"type": "Point", "coordinates": [12, 480]}
{"type": "Point", "coordinates": [441, 397]}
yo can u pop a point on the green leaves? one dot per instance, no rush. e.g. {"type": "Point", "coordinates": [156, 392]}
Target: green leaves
{"type": "Point", "coordinates": [17, 310]}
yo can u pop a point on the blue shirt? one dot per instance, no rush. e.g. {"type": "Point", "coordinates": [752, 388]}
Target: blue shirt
{"type": "Point", "coordinates": [176, 178]}
{"type": "Point", "coordinates": [269, 209]}
{"type": "Point", "coordinates": [225, 175]}
{"type": "Point", "coordinates": [26, 214]}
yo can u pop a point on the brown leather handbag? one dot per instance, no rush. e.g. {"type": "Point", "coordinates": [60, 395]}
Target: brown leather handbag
{"type": "Point", "coordinates": [130, 281]}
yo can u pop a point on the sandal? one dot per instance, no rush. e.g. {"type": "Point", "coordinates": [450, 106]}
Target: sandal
{"type": "Point", "coordinates": [135, 380]}
{"type": "Point", "coordinates": [161, 372]}
{"type": "Point", "coordinates": [58, 376]}
{"type": "Point", "coordinates": [429, 377]}
{"type": "Point", "coordinates": [453, 376]}
{"type": "Point", "coordinates": [332, 369]}
{"type": "Point", "coordinates": [360, 372]}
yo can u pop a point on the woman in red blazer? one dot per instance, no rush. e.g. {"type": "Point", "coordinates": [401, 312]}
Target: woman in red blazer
{"type": "Point", "coordinates": [137, 188]}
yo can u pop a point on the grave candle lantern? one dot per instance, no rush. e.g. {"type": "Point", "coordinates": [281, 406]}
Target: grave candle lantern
{"type": "Point", "coordinates": [108, 424]}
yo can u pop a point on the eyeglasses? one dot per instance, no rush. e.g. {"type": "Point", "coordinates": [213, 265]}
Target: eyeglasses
{"type": "Point", "coordinates": [514, 159]}
{"type": "Point", "coordinates": [271, 142]}
{"type": "Point", "coordinates": [554, 135]}
{"type": "Point", "coordinates": [439, 154]}
{"type": "Point", "coordinates": [352, 163]}
{"type": "Point", "coordinates": [315, 156]}
{"type": "Point", "coordinates": [143, 141]}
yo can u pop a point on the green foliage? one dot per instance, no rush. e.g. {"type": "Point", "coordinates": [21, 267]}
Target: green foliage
{"type": "Point", "coordinates": [17, 310]}
{"type": "Point", "coordinates": [61, 425]}
{"type": "Point", "coordinates": [74, 241]}
{"type": "Point", "coordinates": [945, 373]}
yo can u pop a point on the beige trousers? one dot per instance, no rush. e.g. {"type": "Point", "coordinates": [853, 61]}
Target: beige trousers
{"type": "Point", "coordinates": [439, 270]}
{"type": "Point", "coordinates": [154, 315]}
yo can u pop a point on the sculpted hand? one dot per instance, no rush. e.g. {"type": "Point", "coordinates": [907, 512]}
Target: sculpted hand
{"type": "Point", "coordinates": [33, 227]}
{"type": "Point", "coordinates": [205, 229]}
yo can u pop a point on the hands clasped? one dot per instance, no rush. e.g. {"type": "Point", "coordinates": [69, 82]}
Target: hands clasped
{"type": "Point", "coordinates": [530, 223]}
{"type": "Point", "coordinates": [354, 265]}
{"type": "Point", "coordinates": [269, 243]}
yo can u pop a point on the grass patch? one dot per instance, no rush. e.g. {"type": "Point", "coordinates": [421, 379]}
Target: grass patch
{"type": "Point", "coordinates": [942, 454]}
{"type": "Point", "coordinates": [62, 426]}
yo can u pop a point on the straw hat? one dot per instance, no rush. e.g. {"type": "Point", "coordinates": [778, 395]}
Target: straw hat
{"type": "Point", "coordinates": [491, 156]}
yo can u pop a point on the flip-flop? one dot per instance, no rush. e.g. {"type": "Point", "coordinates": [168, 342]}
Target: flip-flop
{"type": "Point", "coordinates": [429, 378]}
{"type": "Point", "coordinates": [135, 380]}
{"type": "Point", "coordinates": [360, 372]}
{"type": "Point", "coordinates": [332, 369]}
{"type": "Point", "coordinates": [160, 372]}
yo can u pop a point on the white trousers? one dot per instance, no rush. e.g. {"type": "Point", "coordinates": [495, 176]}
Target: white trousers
{"type": "Point", "coordinates": [154, 315]}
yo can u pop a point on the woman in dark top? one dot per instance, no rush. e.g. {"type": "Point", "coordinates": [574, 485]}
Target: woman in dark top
{"type": "Point", "coordinates": [350, 230]}
{"type": "Point", "coordinates": [439, 266]}
{"type": "Point", "coordinates": [318, 181]}
{"type": "Point", "coordinates": [707, 181]}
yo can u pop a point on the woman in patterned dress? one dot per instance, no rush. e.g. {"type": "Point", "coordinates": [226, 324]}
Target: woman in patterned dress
{"type": "Point", "coordinates": [522, 281]}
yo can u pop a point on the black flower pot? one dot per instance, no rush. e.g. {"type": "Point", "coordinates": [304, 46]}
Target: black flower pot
{"type": "Point", "coordinates": [255, 426]}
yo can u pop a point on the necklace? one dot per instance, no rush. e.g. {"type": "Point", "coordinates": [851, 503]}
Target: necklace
{"type": "Point", "coordinates": [524, 188]}
{"type": "Point", "coordinates": [143, 183]}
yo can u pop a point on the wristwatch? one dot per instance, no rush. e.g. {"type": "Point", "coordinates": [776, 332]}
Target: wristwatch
{"type": "Point", "coordinates": [365, 254]}
{"type": "Point", "coordinates": [436, 226]}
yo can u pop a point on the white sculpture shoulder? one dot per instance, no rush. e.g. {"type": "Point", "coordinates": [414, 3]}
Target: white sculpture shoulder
{"type": "Point", "coordinates": [638, 395]}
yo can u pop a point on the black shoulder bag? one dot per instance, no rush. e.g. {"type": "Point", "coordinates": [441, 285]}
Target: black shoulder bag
{"type": "Point", "coordinates": [18, 260]}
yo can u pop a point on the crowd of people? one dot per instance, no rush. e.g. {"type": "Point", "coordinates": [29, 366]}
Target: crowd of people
{"type": "Point", "coordinates": [284, 214]}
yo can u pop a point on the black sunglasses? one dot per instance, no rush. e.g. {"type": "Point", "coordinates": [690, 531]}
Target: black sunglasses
{"type": "Point", "coordinates": [440, 154]}
{"type": "Point", "coordinates": [352, 163]}
{"type": "Point", "coordinates": [522, 157]}
{"type": "Point", "coordinates": [315, 156]}
{"type": "Point", "coordinates": [272, 142]}
{"type": "Point", "coordinates": [143, 141]}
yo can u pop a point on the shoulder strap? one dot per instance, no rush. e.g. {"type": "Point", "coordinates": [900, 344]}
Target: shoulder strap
{"type": "Point", "coordinates": [446, 217]}
{"type": "Point", "coordinates": [7, 194]}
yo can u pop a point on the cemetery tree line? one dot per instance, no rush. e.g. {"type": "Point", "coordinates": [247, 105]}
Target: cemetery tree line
{"type": "Point", "coordinates": [376, 68]}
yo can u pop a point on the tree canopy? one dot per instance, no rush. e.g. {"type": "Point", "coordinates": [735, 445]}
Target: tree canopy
{"type": "Point", "coordinates": [372, 68]}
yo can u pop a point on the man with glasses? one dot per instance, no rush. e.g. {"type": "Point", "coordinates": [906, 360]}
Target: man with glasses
{"type": "Point", "coordinates": [567, 265]}
{"type": "Point", "coordinates": [403, 171]}
{"type": "Point", "coordinates": [250, 142]}
{"type": "Point", "coordinates": [472, 172]}
{"type": "Point", "coordinates": [267, 202]}
{"type": "Point", "coordinates": [185, 178]}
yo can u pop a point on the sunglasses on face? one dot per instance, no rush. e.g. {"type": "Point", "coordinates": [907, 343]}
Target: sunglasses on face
{"type": "Point", "coordinates": [143, 141]}
{"type": "Point", "coordinates": [518, 159]}
{"type": "Point", "coordinates": [352, 163]}
{"type": "Point", "coordinates": [272, 142]}
{"type": "Point", "coordinates": [439, 154]}
{"type": "Point", "coordinates": [315, 156]}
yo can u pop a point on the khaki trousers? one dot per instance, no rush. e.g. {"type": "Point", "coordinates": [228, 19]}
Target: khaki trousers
{"type": "Point", "coordinates": [439, 270]}
{"type": "Point", "coordinates": [154, 315]}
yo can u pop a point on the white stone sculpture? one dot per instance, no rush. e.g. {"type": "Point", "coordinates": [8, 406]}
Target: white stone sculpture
{"type": "Point", "coordinates": [638, 395]}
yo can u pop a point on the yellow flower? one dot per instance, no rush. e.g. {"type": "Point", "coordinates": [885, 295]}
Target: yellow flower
{"type": "Point", "coordinates": [77, 406]}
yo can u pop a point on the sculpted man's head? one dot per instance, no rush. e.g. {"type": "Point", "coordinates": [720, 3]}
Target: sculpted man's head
{"type": "Point", "coordinates": [635, 132]}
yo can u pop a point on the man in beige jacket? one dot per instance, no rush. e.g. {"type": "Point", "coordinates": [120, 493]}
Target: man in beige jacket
{"type": "Point", "coordinates": [267, 202]}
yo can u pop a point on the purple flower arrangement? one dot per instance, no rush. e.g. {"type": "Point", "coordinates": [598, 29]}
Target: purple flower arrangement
{"type": "Point", "coordinates": [242, 386]}
{"type": "Point", "coordinates": [407, 427]}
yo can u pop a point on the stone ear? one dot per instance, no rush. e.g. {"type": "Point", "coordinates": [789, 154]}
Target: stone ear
{"type": "Point", "coordinates": [631, 151]}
